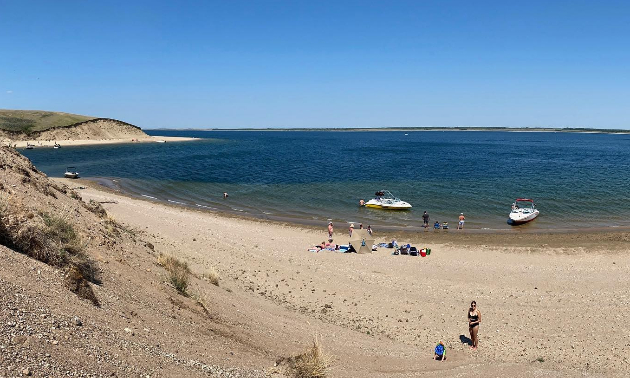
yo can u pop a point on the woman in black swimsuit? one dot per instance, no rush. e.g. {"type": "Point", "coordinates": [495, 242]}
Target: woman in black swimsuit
{"type": "Point", "coordinates": [474, 318]}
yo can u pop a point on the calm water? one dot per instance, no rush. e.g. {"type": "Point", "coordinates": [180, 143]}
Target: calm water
{"type": "Point", "coordinates": [577, 180]}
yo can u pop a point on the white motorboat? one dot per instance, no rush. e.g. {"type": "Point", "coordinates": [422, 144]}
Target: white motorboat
{"type": "Point", "coordinates": [523, 211]}
{"type": "Point", "coordinates": [57, 145]}
{"type": "Point", "coordinates": [29, 146]}
{"type": "Point", "coordinates": [71, 172]}
{"type": "Point", "coordinates": [386, 200]}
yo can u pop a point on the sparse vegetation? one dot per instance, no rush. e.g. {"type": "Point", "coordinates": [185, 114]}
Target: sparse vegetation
{"type": "Point", "coordinates": [111, 227]}
{"type": "Point", "coordinates": [212, 276]}
{"type": "Point", "coordinates": [53, 240]}
{"type": "Point", "coordinates": [313, 363]}
{"type": "Point", "coordinates": [28, 121]}
{"type": "Point", "coordinates": [96, 208]}
{"type": "Point", "coordinates": [62, 232]}
{"type": "Point", "coordinates": [540, 359]}
{"type": "Point", "coordinates": [179, 273]}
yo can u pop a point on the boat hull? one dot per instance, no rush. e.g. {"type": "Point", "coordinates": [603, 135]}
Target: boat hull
{"type": "Point", "coordinates": [71, 175]}
{"type": "Point", "coordinates": [517, 218]}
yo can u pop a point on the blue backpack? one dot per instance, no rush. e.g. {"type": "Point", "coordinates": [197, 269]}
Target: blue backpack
{"type": "Point", "coordinates": [439, 349]}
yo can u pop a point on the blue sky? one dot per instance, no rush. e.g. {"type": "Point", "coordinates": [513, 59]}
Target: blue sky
{"type": "Point", "coordinates": [230, 64]}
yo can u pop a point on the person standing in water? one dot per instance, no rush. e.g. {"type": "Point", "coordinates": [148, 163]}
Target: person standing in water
{"type": "Point", "coordinates": [462, 218]}
{"type": "Point", "coordinates": [330, 230]}
{"type": "Point", "coordinates": [474, 318]}
{"type": "Point", "coordinates": [425, 219]}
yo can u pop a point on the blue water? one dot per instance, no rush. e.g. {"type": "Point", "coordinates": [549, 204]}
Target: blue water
{"type": "Point", "coordinates": [577, 180]}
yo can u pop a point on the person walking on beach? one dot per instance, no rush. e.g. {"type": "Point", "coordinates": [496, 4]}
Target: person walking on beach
{"type": "Point", "coordinates": [474, 318]}
{"type": "Point", "coordinates": [330, 230]}
{"type": "Point", "coordinates": [462, 218]}
{"type": "Point", "coordinates": [425, 219]}
{"type": "Point", "coordinates": [369, 229]}
{"type": "Point", "coordinates": [351, 229]}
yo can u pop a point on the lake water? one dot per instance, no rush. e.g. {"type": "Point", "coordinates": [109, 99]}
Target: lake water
{"type": "Point", "coordinates": [308, 177]}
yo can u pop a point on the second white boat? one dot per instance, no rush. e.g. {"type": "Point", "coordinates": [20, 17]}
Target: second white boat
{"type": "Point", "coordinates": [523, 211]}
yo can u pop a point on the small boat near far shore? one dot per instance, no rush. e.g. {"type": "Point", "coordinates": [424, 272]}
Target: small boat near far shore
{"type": "Point", "coordinates": [386, 200]}
{"type": "Point", "coordinates": [523, 211]}
{"type": "Point", "coordinates": [71, 172]}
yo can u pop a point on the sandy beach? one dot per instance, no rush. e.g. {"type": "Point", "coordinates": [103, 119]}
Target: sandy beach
{"type": "Point", "coordinates": [553, 304]}
{"type": "Point", "coordinates": [90, 142]}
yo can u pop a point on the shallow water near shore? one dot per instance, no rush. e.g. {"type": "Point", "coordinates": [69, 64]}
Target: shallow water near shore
{"type": "Point", "coordinates": [308, 177]}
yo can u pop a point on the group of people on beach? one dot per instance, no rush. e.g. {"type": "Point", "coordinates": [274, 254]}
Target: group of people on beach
{"type": "Point", "coordinates": [350, 229]}
{"type": "Point", "coordinates": [444, 226]}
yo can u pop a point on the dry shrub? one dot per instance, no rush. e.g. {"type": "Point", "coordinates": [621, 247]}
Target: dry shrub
{"type": "Point", "coordinates": [62, 232]}
{"type": "Point", "coordinates": [96, 208]}
{"type": "Point", "coordinates": [212, 276]}
{"type": "Point", "coordinates": [78, 284]}
{"type": "Point", "coordinates": [33, 240]}
{"type": "Point", "coordinates": [111, 227]}
{"type": "Point", "coordinates": [313, 363]}
{"type": "Point", "coordinates": [52, 240]}
{"type": "Point", "coordinates": [179, 273]}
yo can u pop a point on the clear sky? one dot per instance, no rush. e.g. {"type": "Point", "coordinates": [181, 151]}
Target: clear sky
{"type": "Point", "coordinates": [313, 63]}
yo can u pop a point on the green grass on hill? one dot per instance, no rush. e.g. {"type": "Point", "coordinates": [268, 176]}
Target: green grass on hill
{"type": "Point", "coordinates": [28, 121]}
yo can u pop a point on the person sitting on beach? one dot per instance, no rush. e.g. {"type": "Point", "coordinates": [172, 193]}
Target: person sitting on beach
{"type": "Point", "coordinates": [436, 225]}
{"type": "Point", "coordinates": [323, 245]}
{"type": "Point", "coordinates": [440, 352]}
{"type": "Point", "coordinates": [445, 226]}
{"type": "Point", "coordinates": [330, 245]}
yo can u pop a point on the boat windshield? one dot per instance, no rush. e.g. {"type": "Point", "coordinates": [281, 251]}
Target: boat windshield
{"type": "Point", "coordinates": [522, 205]}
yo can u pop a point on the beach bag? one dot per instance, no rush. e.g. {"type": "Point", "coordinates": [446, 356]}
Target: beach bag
{"type": "Point", "coordinates": [439, 349]}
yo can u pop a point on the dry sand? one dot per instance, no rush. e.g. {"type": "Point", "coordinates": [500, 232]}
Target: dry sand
{"type": "Point", "coordinates": [89, 142]}
{"type": "Point", "coordinates": [552, 305]}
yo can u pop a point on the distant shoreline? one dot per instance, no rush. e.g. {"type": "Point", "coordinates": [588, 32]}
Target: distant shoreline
{"type": "Point", "coordinates": [408, 129]}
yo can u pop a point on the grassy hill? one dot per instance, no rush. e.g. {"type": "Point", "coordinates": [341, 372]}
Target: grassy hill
{"type": "Point", "coordinates": [28, 121]}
